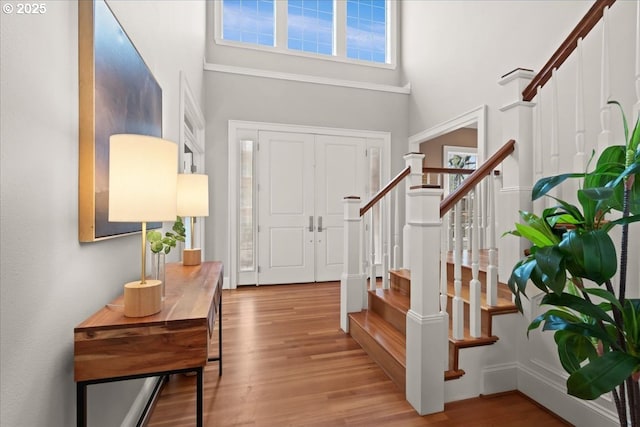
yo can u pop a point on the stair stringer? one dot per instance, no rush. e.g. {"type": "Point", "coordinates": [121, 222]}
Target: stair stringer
{"type": "Point", "coordinates": [491, 368]}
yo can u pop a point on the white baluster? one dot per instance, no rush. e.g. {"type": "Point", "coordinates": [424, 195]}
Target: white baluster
{"type": "Point", "coordinates": [385, 243]}
{"type": "Point", "coordinates": [538, 150]}
{"type": "Point", "coordinates": [555, 145]}
{"type": "Point", "coordinates": [458, 303]}
{"type": "Point", "coordinates": [364, 263]}
{"type": "Point", "coordinates": [372, 251]}
{"type": "Point", "coordinates": [604, 138]}
{"type": "Point", "coordinates": [492, 268]}
{"type": "Point", "coordinates": [579, 159]}
{"type": "Point", "coordinates": [444, 284]}
{"type": "Point", "coordinates": [396, 228]}
{"type": "Point", "coordinates": [474, 285]}
{"type": "Point", "coordinates": [636, 106]}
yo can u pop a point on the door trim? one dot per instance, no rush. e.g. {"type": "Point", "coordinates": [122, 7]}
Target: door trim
{"type": "Point", "coordinates": [248, 130]}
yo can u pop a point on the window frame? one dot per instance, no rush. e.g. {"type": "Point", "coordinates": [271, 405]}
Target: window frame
{"type": "Point", "coordinates": [339, 35]}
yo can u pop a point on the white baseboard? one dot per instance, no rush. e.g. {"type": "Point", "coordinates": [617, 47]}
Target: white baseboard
{"type": "Point", "coordinates": [552, 394]}
{"type": "Point", "coordinates": [500, 378]}
{"type": "Point", "coordinates": [140, 402]}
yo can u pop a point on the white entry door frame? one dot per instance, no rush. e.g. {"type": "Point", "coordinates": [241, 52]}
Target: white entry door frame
{"type": "Point", "coordinates": [243, 132]}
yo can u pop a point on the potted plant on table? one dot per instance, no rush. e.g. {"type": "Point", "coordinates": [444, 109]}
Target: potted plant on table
{"type": "Point", "coordinates": [161, 245]}
{"type": "Point", "coordinates": [573, 260]}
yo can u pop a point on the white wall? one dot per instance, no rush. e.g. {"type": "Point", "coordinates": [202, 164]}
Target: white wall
{"type": "Point", "coordinates": [50, 282]}
{"type": "Point", "coordinates": [454, 52]}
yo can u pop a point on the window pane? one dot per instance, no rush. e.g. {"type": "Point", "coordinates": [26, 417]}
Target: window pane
{"type": "Point", "coordinates": [366, 30]}
{"type": "Point", "coordinates": [310, 26]}
{"type": "Point", "coordinates": [249, 21]}
{"type": "Point", "coordinates": [246, 243]}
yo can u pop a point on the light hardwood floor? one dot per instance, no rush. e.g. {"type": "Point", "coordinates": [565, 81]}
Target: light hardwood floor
{"type": "Point", "coordinates": [287, 363]}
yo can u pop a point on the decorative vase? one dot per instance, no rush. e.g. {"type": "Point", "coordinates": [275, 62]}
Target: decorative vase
{"type": "Point", "coordinates": [158, 269]}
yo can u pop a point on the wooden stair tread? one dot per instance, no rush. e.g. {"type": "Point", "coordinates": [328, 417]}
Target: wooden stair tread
{"type": "Point", "coordinates": [392, 340]}
{"type": "Point", "coordinates": [396, 299]}
{"type": "Point", "coordinates": [453, 374]}
{"type": "Point", "coordinates": [483, 259]}
{"type": "Point", "coordinates": [402, 273]}
{"type": "Point", "coordinates": [504, 305]}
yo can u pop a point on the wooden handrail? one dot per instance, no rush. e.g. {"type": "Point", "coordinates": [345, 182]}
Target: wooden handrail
{"type": "Point", "coordinates": [390, 186]}
{"type": "Point", "coordinates": [477, 175]}
{"type": "Point", "coordinates": [453, 171]}
{"type": "Point", "coordinates": [566, 48]}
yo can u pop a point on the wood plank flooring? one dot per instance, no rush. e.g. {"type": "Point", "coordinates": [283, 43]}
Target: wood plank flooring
{"type": "Point", "coordinates": [287, 363]}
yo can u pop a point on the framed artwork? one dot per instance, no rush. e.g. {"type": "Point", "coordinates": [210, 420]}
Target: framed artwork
{"type": "Point", "coordinates": [456, 157]}
{"type": "Point", "coordinates": [118, 94]}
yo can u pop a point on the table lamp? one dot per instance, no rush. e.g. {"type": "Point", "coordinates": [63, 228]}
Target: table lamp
{"type": "Point", "coordinates": [193, 201]}
{"type": "Point", "coordinates": [142, 188]}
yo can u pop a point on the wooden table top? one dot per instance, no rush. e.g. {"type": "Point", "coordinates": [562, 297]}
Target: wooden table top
{"type": "Point", "coordinates": [189, 293]}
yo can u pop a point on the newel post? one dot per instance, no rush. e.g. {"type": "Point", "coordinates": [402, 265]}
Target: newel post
{"type": "Point", "coordinates": [413, 160]}
{"type": "Point", "coordinates": [352, 282]}
{"type": "Point", "coordinates": [426, 325]}
{"type": "Point", "coordinates": [515, 195]}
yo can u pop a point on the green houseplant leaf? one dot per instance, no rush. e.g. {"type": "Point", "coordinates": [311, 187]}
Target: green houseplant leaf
{"type": "Point", "coordinates": [601, 375]}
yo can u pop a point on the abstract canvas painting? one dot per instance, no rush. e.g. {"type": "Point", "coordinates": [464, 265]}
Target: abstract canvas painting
{"type": "Point", "coordinates": [118, 94]}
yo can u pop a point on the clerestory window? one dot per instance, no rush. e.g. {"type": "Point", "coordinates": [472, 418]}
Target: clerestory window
{"type": "Point", "coordinates": [350, 30]}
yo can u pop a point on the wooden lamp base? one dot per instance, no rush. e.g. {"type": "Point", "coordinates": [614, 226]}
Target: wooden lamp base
{"type": "Point", "coordinates": [142, 300]}
{"type": "Point", "coordinates": [191, 256]}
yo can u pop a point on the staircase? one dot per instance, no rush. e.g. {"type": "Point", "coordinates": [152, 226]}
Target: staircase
{"type": "Point", "coordinates": [380, 330]}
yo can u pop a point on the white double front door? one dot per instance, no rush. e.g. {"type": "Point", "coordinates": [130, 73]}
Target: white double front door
{"type": "Point", "coordinates": [302, 180]}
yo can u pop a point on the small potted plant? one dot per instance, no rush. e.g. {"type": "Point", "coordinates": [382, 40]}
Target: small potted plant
{"type": "Point", "coordinates": [573, 260]}
{"type": "Point", "coordinates": [161, 245]}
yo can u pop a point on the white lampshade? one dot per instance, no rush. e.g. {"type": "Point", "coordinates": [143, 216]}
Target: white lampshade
{"type": "Point", "coordinates": [193, 195]}
{"type": "Point", "coordinates": [142, 178]}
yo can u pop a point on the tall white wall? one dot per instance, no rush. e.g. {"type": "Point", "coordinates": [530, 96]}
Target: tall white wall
{"type": "Point", "coordinates": [49, 281]}
{"type": "Point", "coordinates": [454, 52]}
{"type": "Point", "coordinates": [252, 98]}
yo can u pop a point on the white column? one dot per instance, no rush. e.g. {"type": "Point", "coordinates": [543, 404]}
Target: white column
{"type": "Point", "coordinates": [414, 160]}
{"type": "Point", "coordinates": [517, 177]}
{"type": "Point", "coordinates": [426, 350]}
{"type": "Point", "coordinates": [352, 282]}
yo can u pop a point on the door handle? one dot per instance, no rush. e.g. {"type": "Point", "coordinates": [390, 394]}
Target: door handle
{"type": "Point", "coordinates": [319, 224]}
{"type": "Point", "coordinates": [311, 223]}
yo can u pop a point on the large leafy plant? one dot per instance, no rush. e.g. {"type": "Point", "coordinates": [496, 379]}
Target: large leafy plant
{"type": "Point", "coordinates": [573, 260]}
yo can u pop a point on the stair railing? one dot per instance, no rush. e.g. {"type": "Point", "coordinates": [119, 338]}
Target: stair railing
{"type": "Point", "coordinates": [431, 176]}
{"type": "Point", "coordinates": [469, 190]}
{"type": "Point", "coordinates": [357, 269]}
{"type": "Point", "coordinates": [379, 197]}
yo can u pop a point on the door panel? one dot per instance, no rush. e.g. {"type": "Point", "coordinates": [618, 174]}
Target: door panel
{"type": "Point", "coordinates": [285, 200]}
{"type": "Point", "coordinates": [339, 173]}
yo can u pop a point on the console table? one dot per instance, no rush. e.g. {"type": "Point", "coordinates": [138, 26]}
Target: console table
{"type": "Point", "coordinates": [111, 347]}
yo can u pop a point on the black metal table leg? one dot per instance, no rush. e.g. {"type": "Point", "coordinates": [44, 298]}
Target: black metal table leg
{"type": "Point", "coordinates": [220, 334]}
{"type": "Point", "coordinates": [81, 404]}
{"type": "Point", "coordinates": [199, 392]}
